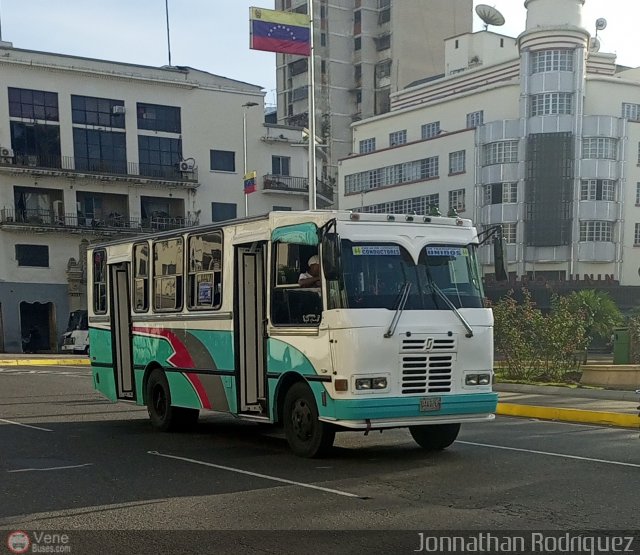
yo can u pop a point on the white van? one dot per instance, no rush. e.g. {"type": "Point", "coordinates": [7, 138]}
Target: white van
{"type": "Point", "coordinates": [76, 338]}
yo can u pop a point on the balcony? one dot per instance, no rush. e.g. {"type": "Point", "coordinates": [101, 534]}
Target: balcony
{"type": "Point", "coordinates": [127, 171]}
{"type": "Point", "coordinates": [42, 219]}
{"type": "Point", "coordinates": [296, 185]}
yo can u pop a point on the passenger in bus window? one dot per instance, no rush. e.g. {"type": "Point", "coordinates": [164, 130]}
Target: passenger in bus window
{"type": "Point", "coordinates": [311, 278]}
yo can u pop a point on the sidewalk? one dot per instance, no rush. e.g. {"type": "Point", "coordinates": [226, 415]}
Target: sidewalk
{"type": "Point", "coordinates": [590, 406]}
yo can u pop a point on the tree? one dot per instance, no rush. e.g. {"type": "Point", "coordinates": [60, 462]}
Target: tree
{"type": "Point", "coordinates": [600, 313]}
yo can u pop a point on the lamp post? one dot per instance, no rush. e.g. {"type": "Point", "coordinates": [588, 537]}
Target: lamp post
{"type": "Point", "coordinates": [246, 106]}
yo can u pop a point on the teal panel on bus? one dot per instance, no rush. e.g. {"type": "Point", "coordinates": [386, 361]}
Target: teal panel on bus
{"type": "Point", "coordinates": [220, 347]}
{"type": "Point", "coordinates": [148, 348]}
{"type": "Point", "coordinates": [300, 234]}
{"type": "Point", "coordinates": [104, 382]}
{"type": "Point", "coordinates": [283, 357]}
{"type": "Point", "coordinates": [100, 342]}
{"type": "Point", "coordinates": [182, 392]}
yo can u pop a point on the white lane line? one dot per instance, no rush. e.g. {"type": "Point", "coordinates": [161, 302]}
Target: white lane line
{"type": "Point", "coordinates": [25, 425]}
{"type": "Point", "coordinates": [257, 475]}
{"type": "Point", "coordinates": [51, 468]}
{"type": "Point", "coordinates": [561, 455]}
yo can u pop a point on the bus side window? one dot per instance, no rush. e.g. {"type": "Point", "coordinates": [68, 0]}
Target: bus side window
{"type": "Point", "coordinates": [204, 287]}
{"type": "Point", "coordinates": [167, 275]}
{"type": "Point", "coordinates": [100, 282]}
{"type": "Point", "coordinates": [141, 277]}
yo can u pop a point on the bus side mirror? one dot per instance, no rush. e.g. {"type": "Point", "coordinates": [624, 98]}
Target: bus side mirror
{"type": "Point", "coordinates": [331, 259]}
{"type": "Point", "coordinates": [500, 259]}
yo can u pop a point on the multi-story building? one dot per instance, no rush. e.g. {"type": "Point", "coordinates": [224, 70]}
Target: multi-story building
{"type": "Point", "coordinates": [91, 149]}
{"type": "Point", "coordinates": [540, 134]}
{"type": "Point", "coordinates": [365, 50]}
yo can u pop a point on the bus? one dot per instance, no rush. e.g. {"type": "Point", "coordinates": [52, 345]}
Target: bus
{"type": "Point", "coordinates": [393, 333]}
{"type": "Point", "coordinates": [76, 338]}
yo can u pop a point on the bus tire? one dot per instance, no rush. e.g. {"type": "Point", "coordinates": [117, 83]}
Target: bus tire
{"type": "Point", "coordinates": [306, 435]}
{"type": "Point", "coordinates": [435, 437]}
{"type": "Point", "coordinates": [164, 417]}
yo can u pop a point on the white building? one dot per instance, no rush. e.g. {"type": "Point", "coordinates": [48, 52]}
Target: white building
{"type": "Point", "coordinates": [91, 149]}
{"type": "Point", "coordinates": [365, 50]}
{"type": "Point", "coordinates": [540, 133]}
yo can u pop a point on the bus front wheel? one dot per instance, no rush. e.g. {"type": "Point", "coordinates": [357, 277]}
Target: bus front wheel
{"type": "Point", "coordinates": [435, 437]}
{"type": "Point", "coordinates": [306, 435]}
{"type": "Point", "coordinates": [165, 417]}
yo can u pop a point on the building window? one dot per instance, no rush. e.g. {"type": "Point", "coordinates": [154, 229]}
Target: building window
{"type": "Point", "coordinates": [383, 42]}
{"type": "Point", "coordinates": [600, 147]}
{"type": "Point", "coordinates": [35, 256]}
{"type": "Point", "coordinates": [631, 111]}
{"type": "Point", "coordinates": [417, 205]}
{"type": "Point", "coordinates": [384, 16]}
{"type": "Point", "coordinates": [167, 275]}
{"type": "Point", "coordinates": [323, 39]}
{"type": "Point", "coordinates": [636, 236]}
{"type": "Point", "coordinates": [88, 110]}
{"type": "Point", "coordinates": [456, 200]}
{"type": "Point", "coordinates": [383, 69]}
{"type": "Point", "coordinates": [457, 161]}
{"type": "Point", "coordinates": [222, 211]}
{"type": "Point", "coordinates": [155, 117]}
{"type": "Point", "coordinates": [99, 268]}
{"type": "Point", "coordinates": [502, 152]}
{"type": "Point", "coordinates": [300, 93]}
{"type": "Point", "coordinates": [596, 231]}
{"type": "Point", "coordinates": [298, 67]}
{"type": "Point", "coordinates": [552, 60]}
{"type": "Point", "coordinates": [509, 232]}
{"type": "Point", "coordinates": [637, 194]}
{"type": "Point", "coordinates": [205, 271]}
{"type": "Point", "coordinates": [99, 151]}
{"type": "Point", "coordinates": [33, 105]}
{"type": "Point", "coordinates": [398, 138]}
{"type": "Point", "coordinates": [475, 119]}
{"type": "Point", "coordinates": [597, 189]}
{"type": "Point", "coordinates": [280, 165]}
{"type": "Point", "coordinates": [141, 277]}
{"type": "Point", "coordinates": [551, 104]}
{"type": "Point", "coordinates": [282, 208]}
{"type": "Point", "coordinates": [367, 145]}
{"type": "Point", "coordinates": [159, 156]}
{"type": "Point", "coordinates": [36, 145]}
{"type": "Point", "coordinates": [357, 43]}
{"type": "Point", "coordinates": [408, 172]}
{"type": "Point", "coordinates": [223, 160]}
{"type": "Point", "coordinates": [500, 193]}
{"type": "Point", "coordinates": [430, 130]}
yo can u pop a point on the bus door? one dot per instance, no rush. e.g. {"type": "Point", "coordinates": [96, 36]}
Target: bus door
{"type": "Point", "coordinates": [250, 327]}
{"type": "Point", "coordinates": [121, 330]}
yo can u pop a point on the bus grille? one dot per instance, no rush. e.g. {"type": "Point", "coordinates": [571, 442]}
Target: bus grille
{"type": "Point", "coordinates": [426, 373]}
{"type": "Point", "coordinates": [431, 344]}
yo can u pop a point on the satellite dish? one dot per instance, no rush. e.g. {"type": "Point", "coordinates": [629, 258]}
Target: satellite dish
{"type": "Point", "coordinates": [594, 44]}
{"type": "Point", "coordinates": [489, 15]}
{"type": "Point", "coordinates": [601, 23]}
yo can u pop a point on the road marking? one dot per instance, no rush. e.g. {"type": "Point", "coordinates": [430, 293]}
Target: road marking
{"type": "Point", "coordinates": [563, 456]}
{"type": "Point", "coordinates": [25, 425]}
{"type": "Point", "coordinates": [22, 371]}
{"type": "Point", "coordinates": [51, 468]}
{"type": "Point", "coordinates": [264, 476]}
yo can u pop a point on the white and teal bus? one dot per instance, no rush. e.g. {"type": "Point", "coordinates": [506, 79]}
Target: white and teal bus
{"type": "Point", "coordinates": [394, 334]}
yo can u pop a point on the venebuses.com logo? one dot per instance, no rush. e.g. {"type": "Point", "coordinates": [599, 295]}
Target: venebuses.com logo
{"type": "Point", "coordinates": [18, 542]}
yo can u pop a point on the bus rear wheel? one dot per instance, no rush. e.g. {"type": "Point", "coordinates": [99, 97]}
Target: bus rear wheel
{"type": "Point", "coordinates": [435, 437]}
{"type": "Point", "coordinates": [306, 435]}
{"type": "Point", "coordinates": [165, 417]}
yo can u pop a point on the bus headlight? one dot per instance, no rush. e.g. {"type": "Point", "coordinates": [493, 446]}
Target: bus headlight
{"type": "Point", "coordinates": [477, 379]}
{"type": "Point", "coordinates": [379, 383]}
{"type": "Point", "coordinates": [471, 379]}
{"type": "Point", "coordinates": [484, 379]}
{"type": "Point", "coordinates": [363, 383]}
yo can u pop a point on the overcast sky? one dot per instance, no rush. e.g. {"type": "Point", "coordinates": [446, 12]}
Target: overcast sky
{"type": "Point", "coordinates": [213, 35]}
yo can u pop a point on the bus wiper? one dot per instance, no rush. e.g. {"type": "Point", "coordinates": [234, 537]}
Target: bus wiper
{"type": "Point", "coordinates": [404, 296]}
{"type": "Point", "coordinates": [452, 307]}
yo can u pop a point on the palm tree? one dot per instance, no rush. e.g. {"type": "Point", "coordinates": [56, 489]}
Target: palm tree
{"type": "Point", "coordinates": [600, 312]}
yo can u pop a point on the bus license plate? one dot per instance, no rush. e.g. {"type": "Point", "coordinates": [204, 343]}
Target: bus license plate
{"type": "Point", "coordinates": [429, 404]}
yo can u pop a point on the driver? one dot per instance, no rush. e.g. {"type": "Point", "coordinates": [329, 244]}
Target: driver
{"type": "Point", "coordinates": [311, 278]}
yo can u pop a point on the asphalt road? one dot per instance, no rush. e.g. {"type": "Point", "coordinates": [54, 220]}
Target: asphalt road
{"type": "Point", "coordinates": [70, 460]}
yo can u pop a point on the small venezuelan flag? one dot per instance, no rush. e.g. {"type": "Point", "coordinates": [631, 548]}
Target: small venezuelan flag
{"type": "Point", "coordinates": [250, 182]}
{"type": "Point", "coordinates": [282, 32]}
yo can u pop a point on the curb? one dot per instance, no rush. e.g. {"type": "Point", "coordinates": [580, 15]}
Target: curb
{"type": "Point", "coordinates": [44, 362]}
{"type": "Point", "coordinates": [622, 420]}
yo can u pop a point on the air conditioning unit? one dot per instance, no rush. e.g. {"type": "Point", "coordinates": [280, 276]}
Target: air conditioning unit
{"type": "Point", "coordinates": [186, 166]}
{"type": "Point", "coordinates": [117, 110]}
{"type": "Point", "coordinates": [6, 152]}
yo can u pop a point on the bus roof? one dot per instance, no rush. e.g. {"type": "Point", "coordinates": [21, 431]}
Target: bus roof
{"type": "Point", "coordinates": [278, 218]}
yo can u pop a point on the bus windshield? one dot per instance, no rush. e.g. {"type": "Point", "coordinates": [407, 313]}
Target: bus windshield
{"type": "Point", "coordinates": [375, 274]}
{"type": "Point", "coordinates": [78, 321]}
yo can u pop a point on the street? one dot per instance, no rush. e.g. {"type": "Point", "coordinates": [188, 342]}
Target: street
{"type": "Point", "coordinates": [72, 460]}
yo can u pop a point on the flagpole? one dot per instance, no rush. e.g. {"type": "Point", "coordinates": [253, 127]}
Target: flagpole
{"type": "Point", "coordinates": [312, 115]}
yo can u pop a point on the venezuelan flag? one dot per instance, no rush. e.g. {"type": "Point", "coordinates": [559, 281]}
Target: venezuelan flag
{"type": "Point", "coordinates": [282, 32]}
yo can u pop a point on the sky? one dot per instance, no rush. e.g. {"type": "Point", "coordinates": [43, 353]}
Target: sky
{"type": "Point", "coordinates": [213, 35]}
